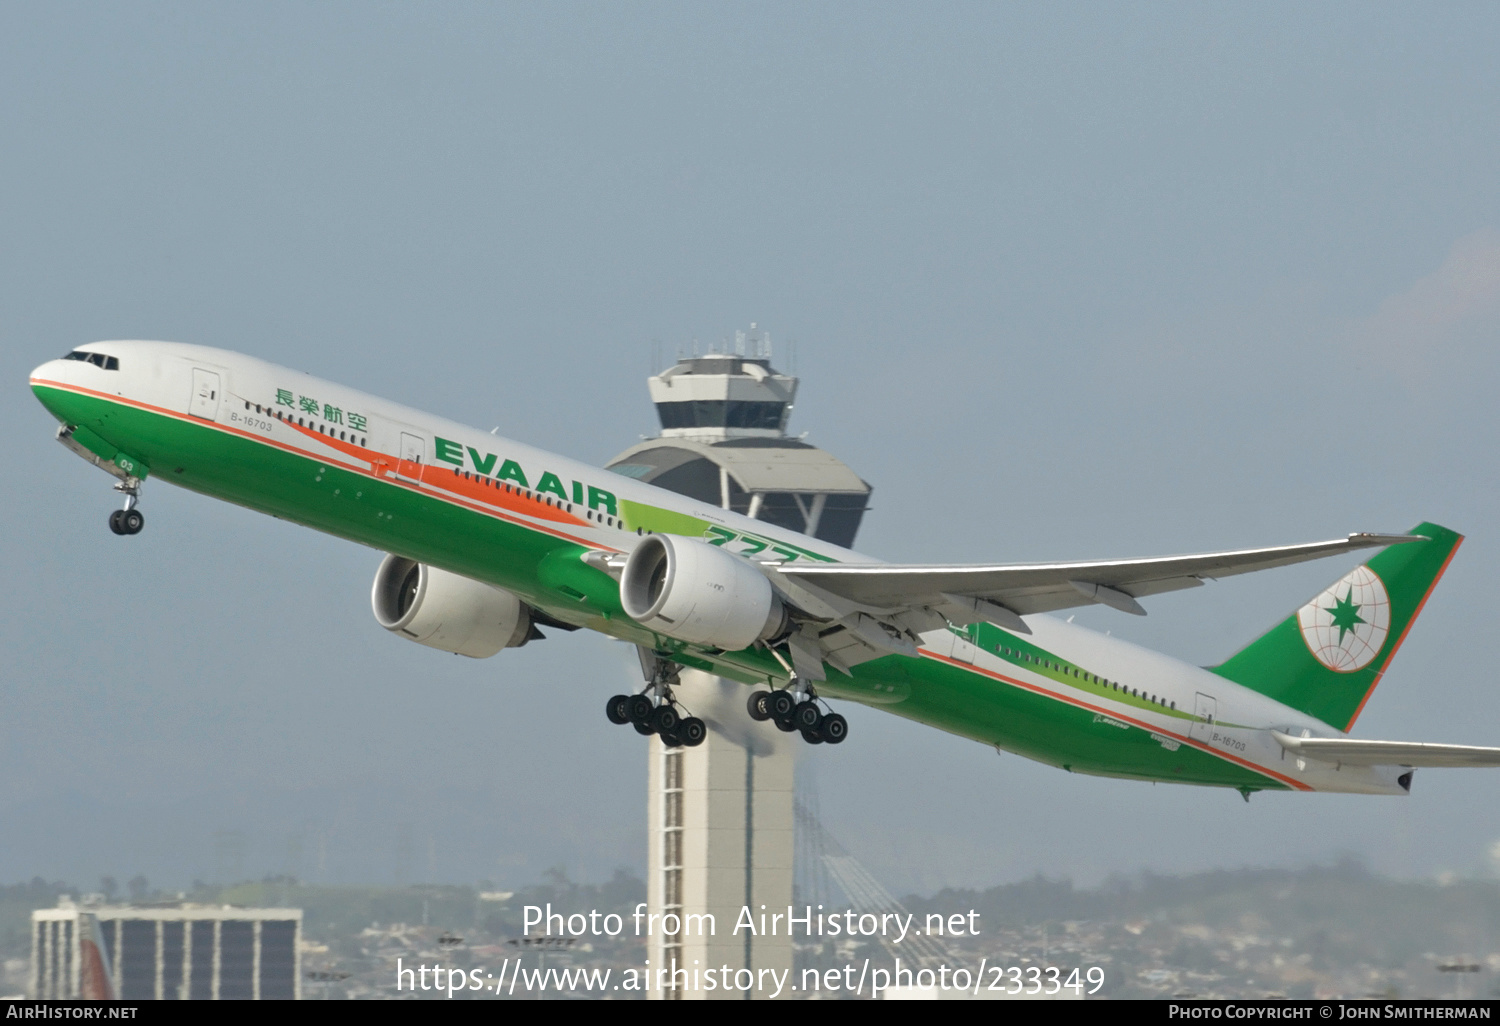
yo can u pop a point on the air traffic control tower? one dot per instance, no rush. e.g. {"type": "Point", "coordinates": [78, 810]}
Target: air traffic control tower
{"type": "Point", "coordinates": [720, 815]}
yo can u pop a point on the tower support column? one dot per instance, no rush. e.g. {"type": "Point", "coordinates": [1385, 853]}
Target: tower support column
{"type": "Point", "coordinates": [720, 828]}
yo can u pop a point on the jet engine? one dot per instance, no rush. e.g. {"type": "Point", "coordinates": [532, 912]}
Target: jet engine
{"type": "Point", "coordinates": [694, 592]}
{"type": "Point", "coordinates": [441, 610]}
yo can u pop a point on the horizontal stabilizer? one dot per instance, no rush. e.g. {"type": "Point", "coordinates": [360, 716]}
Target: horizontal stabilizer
{"type": "Point", "coordinates": [1351, 752]}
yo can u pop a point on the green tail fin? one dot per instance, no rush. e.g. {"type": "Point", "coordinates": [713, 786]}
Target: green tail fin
{"type": "Point", "coordinates": [1326, 658]}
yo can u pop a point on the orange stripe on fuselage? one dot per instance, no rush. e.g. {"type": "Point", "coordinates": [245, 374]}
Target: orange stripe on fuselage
{"type": "Point", "coordinates": [379, 463]}
{"type": "Point", "coordinates": [1070, 700]}
{"type": "Point", "coordinates": [473, 489]}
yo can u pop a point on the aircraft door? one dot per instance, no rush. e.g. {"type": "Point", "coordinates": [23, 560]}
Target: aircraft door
{"type": "Point", "coordinates": [959, 645]}
{"type": "Point", "coordinates": [965, 643]}
{"type": "Point", "coordinates": [1205, 709]}
{"type": "Point", "coordinates": [413, 451]}
{"type": "Point", "coordinates": [205, 398]}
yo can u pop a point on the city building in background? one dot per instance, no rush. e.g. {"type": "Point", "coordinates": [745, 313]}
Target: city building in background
{"type": "Point", "coordinates": [171, 951]}
{"type": "Point", "coordinates": [720, 817]}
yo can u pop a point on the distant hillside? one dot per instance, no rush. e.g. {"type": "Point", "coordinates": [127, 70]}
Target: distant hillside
{"type": "Point", "coordinates": [1339, 914]}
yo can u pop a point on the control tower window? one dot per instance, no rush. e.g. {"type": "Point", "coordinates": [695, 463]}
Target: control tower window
{"type": "Point", "coordinates": [722, 413]}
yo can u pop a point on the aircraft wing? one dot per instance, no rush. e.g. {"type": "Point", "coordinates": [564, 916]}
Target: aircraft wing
{"type": "Point", "coordinates": [870, 609]}
{"type": "Point", "coordinates": [1044, 587]}
{"type": "Point", "coordinates": [1351, 752]}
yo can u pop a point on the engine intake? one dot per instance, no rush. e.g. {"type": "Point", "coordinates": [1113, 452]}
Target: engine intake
{"type": "Point", "coordinates": [697, 593]}
{"type": "Point", "coordinates": [445, 611]}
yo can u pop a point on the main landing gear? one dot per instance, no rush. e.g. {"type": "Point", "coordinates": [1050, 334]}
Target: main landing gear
{"type": "Point", "coordinates": [128, 520]}
{"type": "Point", "coordinates": [655, 711]}
{"type": "Point", "coordinates": [795, 708]}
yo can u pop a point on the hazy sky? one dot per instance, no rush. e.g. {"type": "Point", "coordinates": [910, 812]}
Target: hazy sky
{"type": "Point", "coordinates": [1065, 280]}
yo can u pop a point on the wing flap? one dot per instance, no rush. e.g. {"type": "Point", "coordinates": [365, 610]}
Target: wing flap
{"type": "Point", "coordinates": [1352, 752]}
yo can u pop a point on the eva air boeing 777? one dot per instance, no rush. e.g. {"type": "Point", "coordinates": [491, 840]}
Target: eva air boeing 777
{"type": "Point", "coordinates": [490, 539]}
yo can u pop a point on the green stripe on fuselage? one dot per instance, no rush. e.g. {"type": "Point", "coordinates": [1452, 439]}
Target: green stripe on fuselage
{"type": "Point", "coordinates": [394, 517]}
{"type": "Point", "coordinates": [1023, 654]}
{"type": "Point", "coordinates": [1020, 720]}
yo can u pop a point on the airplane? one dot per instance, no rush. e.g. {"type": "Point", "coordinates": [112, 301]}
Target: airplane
{"type": "Point", "coordinates": [488, 540]}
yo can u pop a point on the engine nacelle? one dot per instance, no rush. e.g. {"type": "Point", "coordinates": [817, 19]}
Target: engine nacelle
{"type": "Point", "coordinates": [441, 610]}
{"type": "Point", "coordinates": [694, 592]}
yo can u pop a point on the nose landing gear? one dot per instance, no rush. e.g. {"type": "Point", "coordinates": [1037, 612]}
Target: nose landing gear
{"type": "Point", "coordinates": [129, 471]}
{"type": "Point", "coordinates": [123, 521]}
{"type": "Point", "coordinates": [128, 520]}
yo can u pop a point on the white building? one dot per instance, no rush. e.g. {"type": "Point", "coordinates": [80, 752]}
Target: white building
{"type": "Point", "coordinates": [176, 951]}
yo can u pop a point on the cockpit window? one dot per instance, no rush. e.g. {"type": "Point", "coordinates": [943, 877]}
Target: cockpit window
{"type": "Point", "coordinates": [97, 359]}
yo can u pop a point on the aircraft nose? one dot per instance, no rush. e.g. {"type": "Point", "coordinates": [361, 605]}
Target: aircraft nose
{"type": "Point", "coordinates": [45, 373]}
{"type": "Point", "coordinates": [43, 386]}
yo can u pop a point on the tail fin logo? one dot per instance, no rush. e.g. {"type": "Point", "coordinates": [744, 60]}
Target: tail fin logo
{"type": "Point", "coordinates": [1345, 627]}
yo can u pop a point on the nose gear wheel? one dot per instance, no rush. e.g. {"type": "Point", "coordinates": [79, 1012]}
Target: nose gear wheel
{"type": "Point", "coordinates": [128, 520]}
